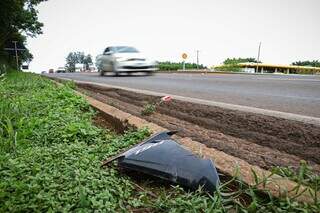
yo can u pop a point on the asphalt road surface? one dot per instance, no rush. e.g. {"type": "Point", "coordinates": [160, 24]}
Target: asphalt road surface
{"type": "Point", "coordinates": [293, 94]}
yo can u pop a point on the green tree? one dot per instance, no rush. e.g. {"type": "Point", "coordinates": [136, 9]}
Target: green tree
{"type": "Point", "coordinates": [9, 55]}
{"type": "Point", "coordinates": [232, 64]}
{"type": "Point", "coordinates": [18, 19]}
{"type": "Point", "coordinates": [233, 61]}
{"type": "Point", "coordinates": [81, 57]}
{"type": "Point", "coordinates": [313, 63]}
{"type": "Point", "coordinates": [74, 58]}
{"type": "Point", "coordinates": [71, 61]}
{"type": "Point", "coordinates": [87, 61]}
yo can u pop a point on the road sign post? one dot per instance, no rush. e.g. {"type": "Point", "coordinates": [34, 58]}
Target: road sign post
{"type": "Point", "coordinates": [184, 56]}
{"type": "Point", "coordinates": [16, 53]}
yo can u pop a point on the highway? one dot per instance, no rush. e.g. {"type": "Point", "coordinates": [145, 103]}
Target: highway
{"type": "Point", "coordinates": [292, 94]}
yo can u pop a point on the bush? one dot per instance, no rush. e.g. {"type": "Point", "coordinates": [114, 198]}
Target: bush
{"type": "Point", "coordinates": [173, 66]}
{"type": "Point", "coordinates": [228, 68]}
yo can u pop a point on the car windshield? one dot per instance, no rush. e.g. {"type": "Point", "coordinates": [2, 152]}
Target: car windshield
{"type": "Point", "coordinates": [125, 49]}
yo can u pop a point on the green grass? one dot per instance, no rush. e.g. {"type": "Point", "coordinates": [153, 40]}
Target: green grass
{"type": "Point", "coordinates": [51, 153]}
{"type": "Point", "coordinates": [304, 175]}
{"type": "Point", "coordinates": [50, 157]}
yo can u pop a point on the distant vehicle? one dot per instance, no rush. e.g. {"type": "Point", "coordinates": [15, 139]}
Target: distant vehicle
{"type": "Point", "coordinates": [91, 68]}
{"type": "Point", "coordinates": [25, 67]}
{"type": "Point", "coordinates": [51, 71]}
{"type": "Point", "coordinates": [61, 70]}
{"type": "Point", "coordinates": [79, 67]}
{"type": "Point", "coordinates": [123, 59]}
{"type": "Point", "coordinates": [43, 72]}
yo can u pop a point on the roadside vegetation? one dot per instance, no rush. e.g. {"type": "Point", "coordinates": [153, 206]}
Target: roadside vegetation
{"type": "Point", "coordinates": [75, 58]}
{"type": "Point", "coordinates": [313, 63]}
{"type": "Point", "coordinates": [232, 64]}
{"type": "Point", "coordinates": [174, 66]}
{"type": "Point", "coordinates": [148, 109]}
{"type": "Point", "coordinates": [51, 153]}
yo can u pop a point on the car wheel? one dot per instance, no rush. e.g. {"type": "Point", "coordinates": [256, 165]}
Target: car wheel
{"type": "Point", "coordinates": [149, 73]}
{"type": "Point", "coordinates": [114, 70]}
{"type": "Point", "coordinates": [101, 72]}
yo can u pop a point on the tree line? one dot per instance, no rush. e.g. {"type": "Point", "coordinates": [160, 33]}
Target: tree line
{"type": "Point", "coordinates": [230, 61]}
{"type": "Point", "coordinates": [74, 58]}
{"type": "Point", "coordinates": [18, 19]}
{"type": "Point", "coordinates": [232, 64]}
{"type": "Point", "coordinates": [167, 65]}
{"type": "Point", "coordinates": [234, 61]}
{"type": "Point", "coordinates": [314, 63]}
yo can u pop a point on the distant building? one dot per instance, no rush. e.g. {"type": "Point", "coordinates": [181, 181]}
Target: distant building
{"type": "Point", "coordinates": [276, 68]}
{"type": "Point", "coordinates": [266, 68]}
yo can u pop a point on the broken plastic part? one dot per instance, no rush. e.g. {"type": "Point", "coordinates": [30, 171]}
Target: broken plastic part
{"type": "Point", "coordinates": [162, 157]}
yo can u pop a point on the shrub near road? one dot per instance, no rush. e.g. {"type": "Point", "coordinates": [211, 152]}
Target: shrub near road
{"type": "Point", "coordinates": [50, 157]}
{"type": "Point", "coordinates": [174, 66]}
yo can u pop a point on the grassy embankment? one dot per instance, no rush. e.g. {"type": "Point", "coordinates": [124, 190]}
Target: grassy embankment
{"type": "Point", "coordinates": [50, 157]}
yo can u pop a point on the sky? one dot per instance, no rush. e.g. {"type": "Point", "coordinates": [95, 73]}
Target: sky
{"type": "Point", "coordinates": [164, 29]}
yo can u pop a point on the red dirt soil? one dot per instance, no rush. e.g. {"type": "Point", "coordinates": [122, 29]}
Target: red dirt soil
{"type": "Point", "coordinates": [261, 140]}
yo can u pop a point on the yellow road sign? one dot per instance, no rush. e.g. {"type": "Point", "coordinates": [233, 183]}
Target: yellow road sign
{"type": "Point", "coordinates": [184, 55]}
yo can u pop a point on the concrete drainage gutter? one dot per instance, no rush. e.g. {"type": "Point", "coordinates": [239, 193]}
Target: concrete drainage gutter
{"type": "Point", "coordinates": [278, 186]}
{"type": "Point", "coordinates": [226, 164]}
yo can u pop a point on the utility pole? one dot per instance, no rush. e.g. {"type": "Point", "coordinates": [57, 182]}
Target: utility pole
{"type": "Point", "coordinates": [16, 52]}
{"type": "Point", "coordinates": [197, 59]}
{"type": "Point", "coordinates": [258, 58]}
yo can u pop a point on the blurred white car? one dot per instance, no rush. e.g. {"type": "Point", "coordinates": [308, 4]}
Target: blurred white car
{"type": "Point", "coordinates": [124, 59]}
{"type": "Point", "coordinates": [61, 70]}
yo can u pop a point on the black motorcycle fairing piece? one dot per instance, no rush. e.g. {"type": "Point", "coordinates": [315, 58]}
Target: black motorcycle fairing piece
{"type": "Point", "coordinates": [162, 157]}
